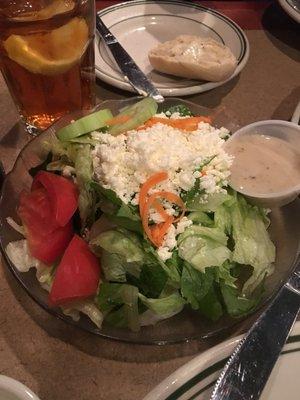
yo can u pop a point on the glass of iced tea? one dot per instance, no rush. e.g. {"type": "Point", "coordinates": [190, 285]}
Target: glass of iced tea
{"type": "Point", "coordinates": [47, 57]}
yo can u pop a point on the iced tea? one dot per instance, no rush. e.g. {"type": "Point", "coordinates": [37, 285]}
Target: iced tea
{"type": "Point", "coordinates": [47, 57]}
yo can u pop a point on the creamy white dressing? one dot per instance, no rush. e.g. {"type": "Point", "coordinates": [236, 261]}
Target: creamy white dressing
{"type": "Point", "coordinates": [263, 164]}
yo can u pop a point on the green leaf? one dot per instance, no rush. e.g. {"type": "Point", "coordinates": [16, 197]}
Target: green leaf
{"type": "Point", "coordinates": [134, 226]}
{"type": "Point", "coordinates": [84, 171]}
{"type": "Point", "coordinates": [121, 214]}
{"type": "Point", "coordinates": [238, 305]}
{"type": "Point", "coordinates": [112, 267]}
{"type": "Point", "coordinates": [124, 243]}
{"type": "Point", "coordinates": [175, 263]}
{"type": "Point", "coordinates": [253, 245]}
{"type": "Point", "coordinates": [195, 284]}
{"type": "Point", "coordinates": [117, 318]}
{"type": "Point", "coordinates": [113, 295]}
{"type": "Point", "coordinates": [209, 204]}
{"type": "Point", "coordinates": [222, 218]}
{"type": "Point", "coordinates": [86, 139]}
{"type": "Point", "coordinates": [172, 273]}
{"type": "Point", "coordinates": [109, 296]}
{"type": "Point", "coordinates": [200, 217]}
{"type": "Point", "coordinates": [203, 247]}
{"type": "Point", "coordinates": [129, 212]}
{"type": "Point", "coordinates": [127, 217]}
{"type": "Point", "coordinates": [210, 305]}
{"type": "Point", "coordinates": [165, 307]}
{"type": "Point", "coordinates": [182, 109]}
{"type": "Point", "coordinates": [191, 195]}
{"type": "Point", "coordinates": [108, 194]}
{"type": "Point", "coordinates": [223, 272]}
{"type": "Point", "coordinates": [152, 280]}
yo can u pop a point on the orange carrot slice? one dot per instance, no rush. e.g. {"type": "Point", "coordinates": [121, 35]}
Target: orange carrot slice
{"type": "Point", "coordinates": [150, 182]}
{"type": "Point", "coordinates": [159, 232]}
{"type": "Point", "coordinates": [187, 124]}
{"type": "Point", "coordinates": [160, 209]}
{"type": "Point", "coordinates": [120, 119]}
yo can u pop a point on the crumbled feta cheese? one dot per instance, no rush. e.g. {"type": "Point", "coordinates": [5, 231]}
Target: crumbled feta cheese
{"type": "Point", "coordinates": [124, 162]}
{"type": "Point", "coordinates": [68, 171]}
{"type": "Point", "coordinates": [183, 224]}
{"type": "Point", "coordinates": [164, 253]}
{"type": "Point", "coordinates": [170, 242]}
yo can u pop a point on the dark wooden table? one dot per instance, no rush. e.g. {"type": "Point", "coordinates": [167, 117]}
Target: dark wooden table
{"type": "Point", "coordinates": [59, 362]}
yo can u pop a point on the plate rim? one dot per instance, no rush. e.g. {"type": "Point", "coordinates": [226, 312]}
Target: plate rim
{"type": "Point", "coordinates": [168, 387]}
{"type": "Point", "coordinates": [183, 91]}
{"type": "Point", "coordinates": [287, 7]}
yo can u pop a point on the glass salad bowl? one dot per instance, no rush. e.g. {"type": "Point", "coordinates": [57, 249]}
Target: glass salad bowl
{"type": "Point", "coordinates": [186, 325]}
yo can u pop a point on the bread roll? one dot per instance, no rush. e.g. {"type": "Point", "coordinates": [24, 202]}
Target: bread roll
{"type": "Point", "coordinates": [194, 57]}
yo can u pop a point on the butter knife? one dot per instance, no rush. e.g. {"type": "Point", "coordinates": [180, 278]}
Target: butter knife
{"type": "Point", "coordinates": [132, 73]}
{"type": "Point", "coordinates": [248, 369]}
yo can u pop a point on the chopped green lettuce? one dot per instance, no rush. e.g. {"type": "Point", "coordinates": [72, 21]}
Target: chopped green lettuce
{"type": "Point", "coordinates": [203, 247]}
{"type": "Point", "coordinates": [124, 259]}
{"type": "Point", "coordinates": [121, 214]}
{"type": "Point", "coordinates": [165, 307]}
{"type": "Point", "coordinates": [208, 204]}
{"type": "Point", "coordinates": [182, 109]}
{"type": "Point", "coordinates": [113, 297]}
{"type": "Point", "coordinates": [87, 307]}
{"type": "Point", "coordinates": [252, 244]}
{"type": "Point", "coordinates": [84, 172]}
{"type": "Point", "coordinates": [210, 305]}
{"type": "Point", "coordinates": [123, 243]}
{"type": "Point", "coordinates": [237, 304]}
{"type": "Point", "coordinates": [202, 218]}
{"type": "Point", "coordinates": [195, 284]}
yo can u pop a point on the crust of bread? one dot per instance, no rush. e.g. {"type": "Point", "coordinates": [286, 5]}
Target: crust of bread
{"type": "Point", "coordinates": [193, 57]}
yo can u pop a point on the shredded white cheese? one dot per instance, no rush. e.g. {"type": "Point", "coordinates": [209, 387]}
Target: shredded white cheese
{"type": "Point", "coordinates": [170, 242]}
{"type": "Point", "coordinates": [124, 162]}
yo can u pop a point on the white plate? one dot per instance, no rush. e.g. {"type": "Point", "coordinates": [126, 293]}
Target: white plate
{"type": "Point", "coordinates": [291, 8]}
{"type": "Point", "coordinates": [10, 389]}
{"type": "Point", "coordinates": [140, 25]}
{"type": "Point", "coordinates": [196, 379]}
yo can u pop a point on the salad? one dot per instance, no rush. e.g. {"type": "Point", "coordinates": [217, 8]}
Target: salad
{"type": "Point", "coordinates": [130, 219]}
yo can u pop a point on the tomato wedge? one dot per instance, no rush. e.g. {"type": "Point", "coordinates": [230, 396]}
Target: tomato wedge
{"type": "Point", "coordinates": [62, 193]}
{"type": "Point", "coordinates": [35, 211]}
{"type": "Point", "coordinates": [49, 247]}
{"type": "Point", "coordinates": [46, 240]}
{"type": "Point", "coordinates": [77, 276]}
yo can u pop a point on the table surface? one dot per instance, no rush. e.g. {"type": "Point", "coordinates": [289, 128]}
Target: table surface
{"type": "Point", "coordinates": [59, 362]}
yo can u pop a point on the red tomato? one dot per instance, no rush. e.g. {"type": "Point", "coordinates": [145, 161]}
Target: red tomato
{"type": "Point", "coordinates": [62, 193]}
{"type": "Point", "coordinates": [77, 276]}
{"type": "Point", "coordinates": [35, 211]}
{"type": "Point", "coordinates": [46, 240]}
{"type": "Point", "coordinates": [50, 246]}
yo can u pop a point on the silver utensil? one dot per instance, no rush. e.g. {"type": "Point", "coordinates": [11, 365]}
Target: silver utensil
{"type": "Point", "coordinates": [132, 73]}
{"type": "Point", "coordinates": [248, 369]}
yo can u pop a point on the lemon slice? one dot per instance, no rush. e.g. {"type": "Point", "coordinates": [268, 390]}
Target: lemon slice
{"type": "Point", "coordinates": [55, 8]}
{"type": "Point", "coordinates": [50, 53]}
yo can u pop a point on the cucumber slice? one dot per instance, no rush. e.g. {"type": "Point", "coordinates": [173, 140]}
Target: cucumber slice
{"type": "Point", "coordinates": [139, 113]}
{"type": "Point", "coordinates": [84, 125]}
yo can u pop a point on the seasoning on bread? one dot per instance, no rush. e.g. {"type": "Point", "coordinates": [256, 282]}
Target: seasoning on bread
{"type": "Point", "coordinates": [194, 57]}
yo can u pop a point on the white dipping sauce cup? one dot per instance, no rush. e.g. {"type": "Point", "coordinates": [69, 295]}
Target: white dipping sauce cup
{"type": "Point", "coordinates": [287, 131]}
